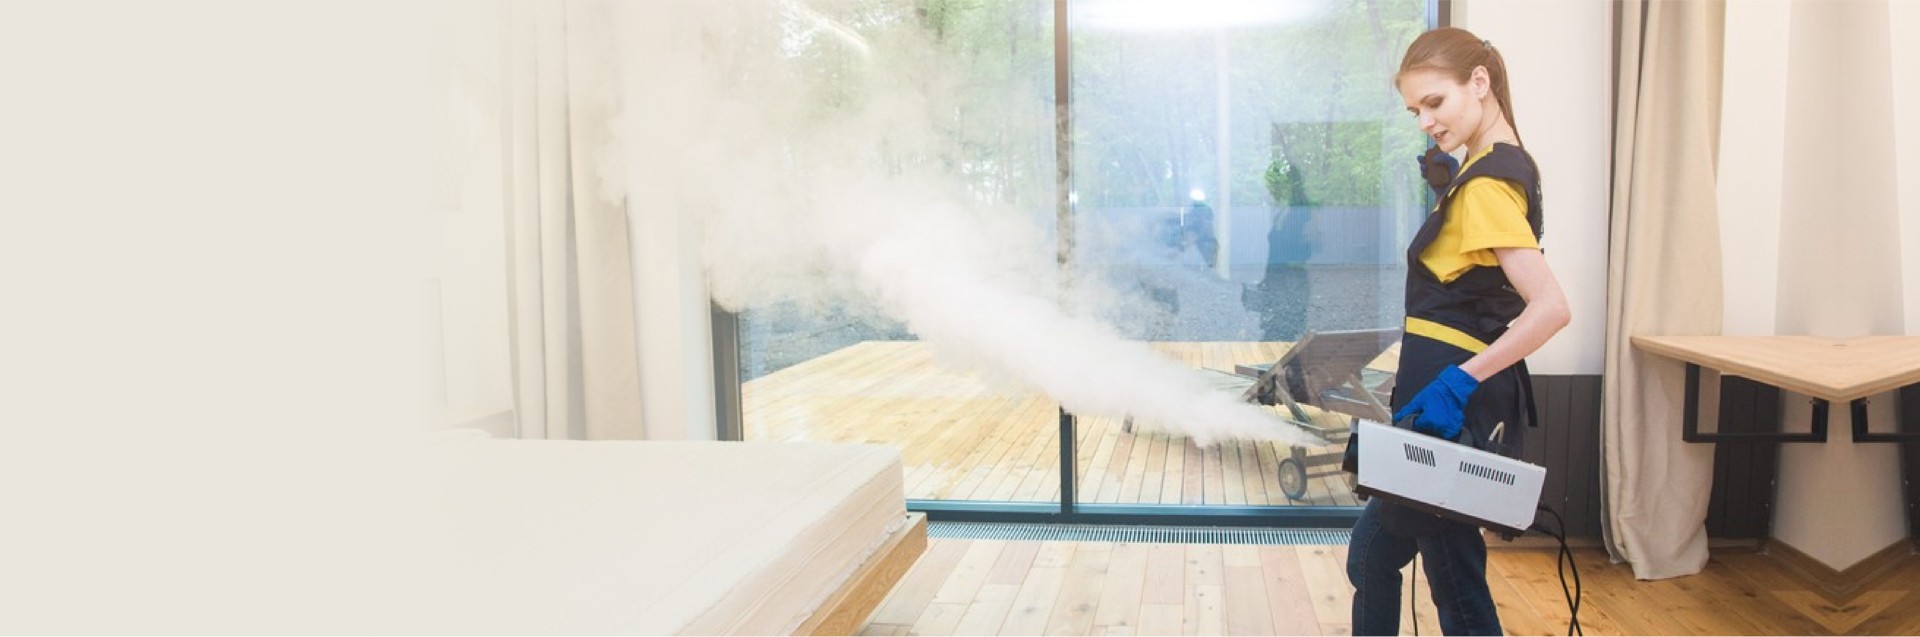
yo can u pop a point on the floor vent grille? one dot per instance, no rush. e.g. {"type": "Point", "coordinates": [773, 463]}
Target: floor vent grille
{"type": "Point", "coordinates": [1118, 533]}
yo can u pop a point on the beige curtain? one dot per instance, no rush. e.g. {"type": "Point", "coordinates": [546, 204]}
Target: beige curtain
{"type": "Point", "coordinates": [1664, 279]}
{"type": "Point", "coordinates": [575, 369]}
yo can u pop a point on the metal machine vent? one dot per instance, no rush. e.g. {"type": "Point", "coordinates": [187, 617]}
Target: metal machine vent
{"type": "Point", "coordinates": [1489, 473]}
{"type": "Point", "coordinates": [1419, 454]}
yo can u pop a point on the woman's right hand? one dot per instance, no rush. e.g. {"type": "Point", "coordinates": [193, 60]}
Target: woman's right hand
{"type": "Point", "coordinates": [1439, 410]}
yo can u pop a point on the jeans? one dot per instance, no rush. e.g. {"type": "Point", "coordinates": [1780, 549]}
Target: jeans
{"type": "Point", "coordinates": [1455, 563]}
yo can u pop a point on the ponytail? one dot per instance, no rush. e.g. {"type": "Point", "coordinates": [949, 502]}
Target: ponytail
{"type": "Point", "coordinates": [1497, 78]}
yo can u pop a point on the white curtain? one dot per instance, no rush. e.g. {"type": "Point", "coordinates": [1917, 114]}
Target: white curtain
{"type": "Point", "coordinates": [568, 267]}
{"type": "Point", "coordinates": [1664, 279]}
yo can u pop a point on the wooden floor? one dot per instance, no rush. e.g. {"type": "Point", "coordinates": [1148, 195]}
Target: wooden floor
{"type": "Point", "coordinates": [966, 439]}
{"type": "Point", "coordinates": [983, 587]}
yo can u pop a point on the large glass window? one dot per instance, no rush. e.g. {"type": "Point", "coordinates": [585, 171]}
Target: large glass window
{"type": "Point", "coordinates": [1246, 170]}
{"type": "Point", "coordinates": [1240, 185]}
{"type": "Point", "coordinates": [840, 369]}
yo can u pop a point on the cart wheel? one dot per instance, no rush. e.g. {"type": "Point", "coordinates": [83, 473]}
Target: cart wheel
{"type": "Point", "coordinates": [1293, 478]}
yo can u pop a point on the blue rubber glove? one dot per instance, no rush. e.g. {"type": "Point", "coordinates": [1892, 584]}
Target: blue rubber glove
{"type": "Point", "coordinates": [1440, 406]}
{"type": "Point", "coordinates": [1438, 169]}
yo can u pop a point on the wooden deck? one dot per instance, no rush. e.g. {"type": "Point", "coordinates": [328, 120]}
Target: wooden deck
{"type": "Point", "coordinates": [966, 439]}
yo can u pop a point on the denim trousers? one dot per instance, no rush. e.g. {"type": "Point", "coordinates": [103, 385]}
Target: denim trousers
{"type": "Point", "coordinates": [1454, 558]}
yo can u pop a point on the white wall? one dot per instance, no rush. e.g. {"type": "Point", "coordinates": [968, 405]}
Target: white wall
{"type": "Point", "coordinates": [674, 328]}
{"type": "Point", "coordinates": [215, 249]}
{"type": "Point", "coordinates": [1752, 165]}
{"type": "Point", "coordinates": [1904, 53]}
{"type": "Point", "coordinates": [1840, 272]}
{"type": "Point", "coordinates": [1839, 275]}
{"type": "Point", "coordinates": [1558, 55]}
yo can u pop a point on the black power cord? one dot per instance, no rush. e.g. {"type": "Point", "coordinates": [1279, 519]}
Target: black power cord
{"type": "Point", "coordinates": [1413, 596]}
{"type": "Point", "coordinates": [1563, 561]}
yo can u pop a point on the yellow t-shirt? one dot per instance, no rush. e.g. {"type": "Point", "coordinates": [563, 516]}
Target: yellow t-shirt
{"type": "Point", "coordinates": [1486, 213]}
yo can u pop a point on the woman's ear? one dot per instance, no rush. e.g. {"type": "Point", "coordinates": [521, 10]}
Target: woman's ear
{"type": "Point", "coordinates": [1480, 81]}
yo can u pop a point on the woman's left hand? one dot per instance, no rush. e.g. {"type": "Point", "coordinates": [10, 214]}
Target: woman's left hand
{"type": "Point", "coordinates": [1438, 169]}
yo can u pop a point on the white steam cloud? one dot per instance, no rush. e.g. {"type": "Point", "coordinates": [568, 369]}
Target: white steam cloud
{"type": "Point", "coordinates": [817, 157]}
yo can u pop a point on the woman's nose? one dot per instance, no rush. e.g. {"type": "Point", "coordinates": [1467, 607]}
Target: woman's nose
{"type": "Point", "coordinates": [1426, 123]}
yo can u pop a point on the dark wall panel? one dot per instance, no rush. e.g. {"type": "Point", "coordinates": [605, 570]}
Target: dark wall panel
{"type": "Point", "coordinates": [1744, 473]}
{"type": "Point", "coordinates": [1567, 443]}
{"type": "Point", "coordinates": [1909, 409]}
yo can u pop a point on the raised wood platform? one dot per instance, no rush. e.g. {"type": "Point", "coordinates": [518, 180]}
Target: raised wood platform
{"type": "Point", "coordinates": [848, 607]}
{"type": "Point", "coordinates": [963, 438]}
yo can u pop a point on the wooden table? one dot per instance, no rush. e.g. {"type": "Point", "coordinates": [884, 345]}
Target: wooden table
{"type": "Point", "coordinates": [1823, 369]}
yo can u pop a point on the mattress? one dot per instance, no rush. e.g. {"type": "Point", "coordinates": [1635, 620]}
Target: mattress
{"type": "Point", "coordinates": [569, 537]}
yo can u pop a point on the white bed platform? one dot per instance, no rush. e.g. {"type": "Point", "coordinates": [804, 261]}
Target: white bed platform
{"type": "Point", "coordinates": [674, 537]}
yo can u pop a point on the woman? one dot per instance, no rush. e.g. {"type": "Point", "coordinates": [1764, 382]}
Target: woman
{"type": "Point", "coordinates": [1479, 299]}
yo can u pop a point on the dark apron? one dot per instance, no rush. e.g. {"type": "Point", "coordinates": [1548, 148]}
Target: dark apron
{"type": "Point", "coordinates": [1479, 304]}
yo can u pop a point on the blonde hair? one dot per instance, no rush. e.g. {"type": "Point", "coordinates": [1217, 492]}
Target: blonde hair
{"type": "Point", "coordinates": [1456, 52]}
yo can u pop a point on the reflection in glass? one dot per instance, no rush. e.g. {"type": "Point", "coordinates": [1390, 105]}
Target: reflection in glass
{"type": "Point", "coordinates": [1245, 172]}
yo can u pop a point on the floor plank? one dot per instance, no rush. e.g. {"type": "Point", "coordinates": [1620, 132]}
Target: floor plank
{"type": "Point", "coordinates": [1166, 574]}
{"type": "Point", "coordinates": [989, 610]}
{"type": "Point", "coordinates": [1073, 609]}
{"type": "Point", "coordinates": [969, 573]}
{"type": "Point", "coordinates": [1246, 594]}
{"type": "Point", "coordinates": [1289, 603]}
{"type": "Point", "coordinates": [1033, 604]}
{"type": "Point", "coordinates": [911, 596]}
{"type": "Point", "coordinates": [1093, 588]}
{"type": "Point", "coordinates": [1205, 590]}
{"type": "Point", "coordinates": [1124, 587]}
